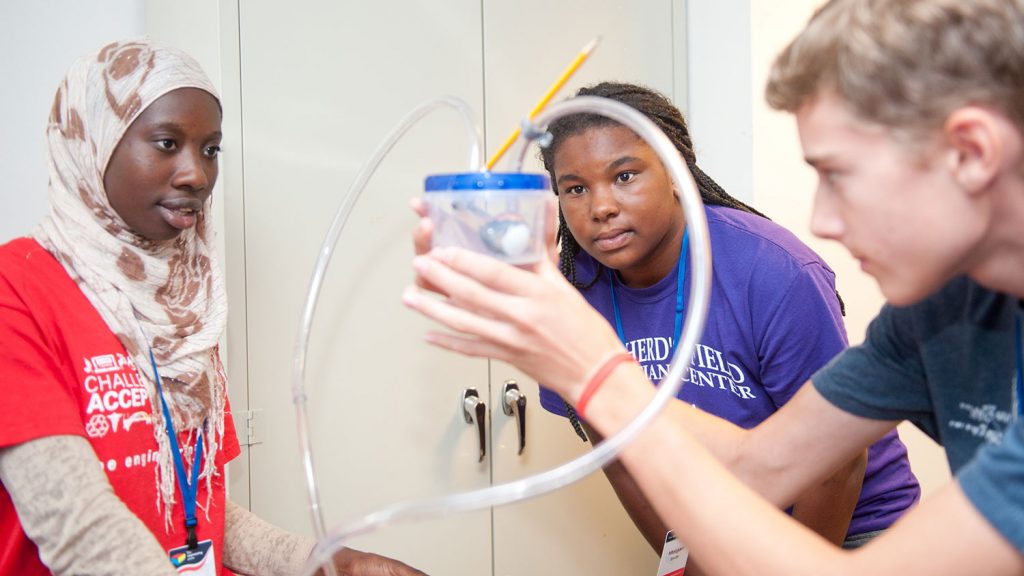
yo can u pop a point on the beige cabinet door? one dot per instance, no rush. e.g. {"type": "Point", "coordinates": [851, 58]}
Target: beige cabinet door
{"type": "Point", "coordinates": [581, 529]}
{"type": "Point", "coordinates": [321, 83]}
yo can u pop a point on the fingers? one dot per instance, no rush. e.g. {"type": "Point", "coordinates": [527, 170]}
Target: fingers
{"type": "Point", "coordinates": [456, 265]}
{"type": "Point", "coordinates": [477, 336]}
{"type": "Point", "coordinates": [463, 312]}
{"type": "Point", "coordinates": [354, 562]}
{"type": "Point", "coordinates": [481, 289]}
{"type": "Point", "coordinates": [422, 238]}
{"type": "Point", "coordinates": [418, 206]}
{"type": "Point", "coordinates": [535, 321]}
{"type": "Point", "coordinates": [467, 346]}
{"type": "Point", "coordinates": [486, 270]}
{"type": "Point", "coordinates": [423, 233]}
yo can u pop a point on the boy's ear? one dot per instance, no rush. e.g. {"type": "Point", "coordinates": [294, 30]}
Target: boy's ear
{"type": "Point", "coordinates": [976, 147]}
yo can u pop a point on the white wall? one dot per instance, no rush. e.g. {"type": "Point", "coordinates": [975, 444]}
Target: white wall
{"type": "Point", "coordinates": [718, 107]}
{"type": "Point", "coordinates": [39, 41]}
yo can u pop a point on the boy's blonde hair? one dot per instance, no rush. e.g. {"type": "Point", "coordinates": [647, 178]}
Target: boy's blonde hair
{"type": "Point", "coordinates": [907, 64]}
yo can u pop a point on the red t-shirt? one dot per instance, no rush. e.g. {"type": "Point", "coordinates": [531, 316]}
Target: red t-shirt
{"type": "Point", "coordinates": [62, 371]}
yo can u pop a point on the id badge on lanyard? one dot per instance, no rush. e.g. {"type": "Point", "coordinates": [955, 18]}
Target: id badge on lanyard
{"type": "Point", "coordinates": [198, 561]}
{"type": "Point", "coordinates": [673, 557]}
{"type": "Point", "coordinates": [194, 558]}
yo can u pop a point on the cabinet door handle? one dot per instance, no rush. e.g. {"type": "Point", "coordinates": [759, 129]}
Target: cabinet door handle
{"type": "Point", "coordinates": [514, 404]}
{"type": "Point", "coordinates": [475, 411]}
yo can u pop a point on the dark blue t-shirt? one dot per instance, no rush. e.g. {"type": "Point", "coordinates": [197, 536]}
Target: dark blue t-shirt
{"type": "Point", "coordinates": [948, 365]}
{"type": "Point", "coordinates": [773, 320]}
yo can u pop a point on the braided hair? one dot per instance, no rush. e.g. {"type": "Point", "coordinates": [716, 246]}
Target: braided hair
{"type": "Point", "coordinates": [666, 116]}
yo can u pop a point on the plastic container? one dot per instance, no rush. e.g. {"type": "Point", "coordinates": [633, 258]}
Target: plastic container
{"type": "Point", "coordinates": [494, 213]}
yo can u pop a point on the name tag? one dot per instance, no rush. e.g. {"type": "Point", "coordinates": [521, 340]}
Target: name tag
{"type": "Point", "coordinates": [199, 562]}
{"type": "Point", "coordinates": [673, 557]}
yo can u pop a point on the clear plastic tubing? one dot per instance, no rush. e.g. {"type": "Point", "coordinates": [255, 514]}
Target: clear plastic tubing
{"type": "Point", "coordinates": [316, 282]}
{"type": "Point", "coordinates": [604, 452]}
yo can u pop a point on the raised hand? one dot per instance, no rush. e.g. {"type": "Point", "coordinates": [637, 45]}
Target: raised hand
{"type": "Point", "coordinates": [351, 562]}
{"type": "Point", "coordinates": [531, 318]}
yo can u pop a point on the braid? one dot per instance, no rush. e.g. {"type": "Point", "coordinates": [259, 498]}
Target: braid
{"type": "Point", "coordinates": [659, 110]}
{"type": "Point", "coordinates": [666, 116]}
{"type": "Point", "coordinates": [712, 193]}
{"type": "Point", "coordinates": [568, 249]}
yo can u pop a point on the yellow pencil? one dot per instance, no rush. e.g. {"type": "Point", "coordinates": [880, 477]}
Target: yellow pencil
{"type": "Point", "coordinates": [546, 98]}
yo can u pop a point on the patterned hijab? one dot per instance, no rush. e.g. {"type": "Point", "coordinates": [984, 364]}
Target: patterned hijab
{"type": "Point", "coordinates": [165, 296]}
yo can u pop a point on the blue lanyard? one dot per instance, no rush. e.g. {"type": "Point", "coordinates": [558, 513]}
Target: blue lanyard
{"type": "Point", "coordinates": [1020, 368]}
{"type": "Point", "coordinates": [189, 490]}
{"type": "Point", "coordinates": [680, 280]}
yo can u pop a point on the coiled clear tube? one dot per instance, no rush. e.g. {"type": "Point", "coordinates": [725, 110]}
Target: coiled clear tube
{"type": "Point", "coordinates": [316, 282]}
{"type": "Point", "coordinates": [604, 452]}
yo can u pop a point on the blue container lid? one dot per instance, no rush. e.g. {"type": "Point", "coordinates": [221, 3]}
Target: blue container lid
{"type": "Point", "coordinates": [476, 181]}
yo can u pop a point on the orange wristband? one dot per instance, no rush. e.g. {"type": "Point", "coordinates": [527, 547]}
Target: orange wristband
{"type": "Point", "coordinates": [598, 378]}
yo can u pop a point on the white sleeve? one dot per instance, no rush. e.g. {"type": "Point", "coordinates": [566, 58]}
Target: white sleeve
{"type": "Point", "coordinates": [254, 546]}
{"type": "Point", "coordinates": [68, 508]}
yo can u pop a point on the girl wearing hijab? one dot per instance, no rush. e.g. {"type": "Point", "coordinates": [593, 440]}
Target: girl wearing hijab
{"type": "Point", "coordinates": [116, 421]}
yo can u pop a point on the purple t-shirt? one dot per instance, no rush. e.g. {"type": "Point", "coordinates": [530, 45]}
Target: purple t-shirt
{"type": "Point", "coordinates": [773, 320]}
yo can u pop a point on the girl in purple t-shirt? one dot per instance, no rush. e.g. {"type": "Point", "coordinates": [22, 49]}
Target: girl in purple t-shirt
{"type": "Point", "coordinates": [774, 316]}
